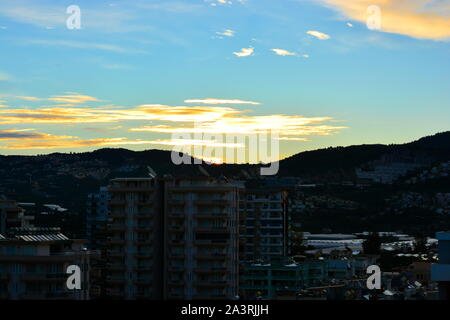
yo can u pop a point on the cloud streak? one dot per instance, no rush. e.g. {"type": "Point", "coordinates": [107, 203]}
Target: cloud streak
{"type": "Point", "coordinates": [319, 35]}
{"type": "Point", "coordinates": [245, 52]}
{"type": "Point", "coordinates": [221, 101]}
{"type": "Point", "coordinates": [282, 52]}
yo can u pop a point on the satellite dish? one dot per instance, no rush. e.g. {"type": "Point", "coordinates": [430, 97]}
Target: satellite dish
{"type": "Point", "coordinates": [203, 171]}
{"type": "Point", "coordinates": [245, 174]}
{"type": "Point", "coordinates": [151, 172]}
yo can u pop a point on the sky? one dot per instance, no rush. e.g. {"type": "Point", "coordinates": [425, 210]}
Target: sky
{"type": "Point", "coordinates": [142, 74]}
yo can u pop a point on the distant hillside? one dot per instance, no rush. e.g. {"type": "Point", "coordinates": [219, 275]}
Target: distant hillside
{"type": "Point", "coordinates": [60, 176]}
{"type": "Point", "coordinates": [344, 159]}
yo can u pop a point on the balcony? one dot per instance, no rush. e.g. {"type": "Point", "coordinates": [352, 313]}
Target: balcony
{"type": "Point", "coordinates": [116, 228]}
{"type": "Point", "coordinates": [211, 215]}
{"type": "Point", "coordinates": [143, 242]}
{"type": "Point", "coordinates": [177, 215]}
{"type": "Point", "coordinates": [176, 242]}
{"type": "Point", "coordinates": [146, 269]}
{"type": "Point", "coordinates": [211, 256]}
{"type": "Point", "coordinates": [176, 268]}
{"type": "Point", "coordinates": [207, 243]}
{"type": "Point", "coordinates": [213, 202]}
{"type": "Point", "coordinates": [176, 229]}
{"type": "Point", "coordinates": [116, 241]}
{"type": "Point", "coordinates": [143, 282]}
{"type": "Point", "coordinates": [175, 283]}
{"type": "Point", "coordinates": [145, 215]}
{"type": "Point", "coordinates": [210, 270]}
{"type": "Point", "coordinates": [116, 254]}
{"type": "Point", "coordinates": [211, 284]}
{"type": "Point", "coordinates": [117, 215]}
{"type": "Point", "coordinates": [117, 202]}
{"type": "Point", "coordinates": [130, 189]}
{"type": "Point", "coordinates": [116, 280]}
{"type": "Point", "coordinates": [44, 277]}
{"type": "Point", "coordinates": [116, 267]}
{"type": "Point", "coordinates": [144, 255]}
{"type": "Point", "coordinates": [143, 228]}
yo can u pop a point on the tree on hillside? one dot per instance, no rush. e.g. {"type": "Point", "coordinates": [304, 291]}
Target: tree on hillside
{"type": "Point", "coordinates": [372, 245]}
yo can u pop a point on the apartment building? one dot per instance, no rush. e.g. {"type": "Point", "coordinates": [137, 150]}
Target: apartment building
{"type": "Point", "coordinates": [97, 218]}
{"type": "Point", "coordinates": [135, 244]}
{"type": "Point", "coordinates": [34, 261]}
{"type": "Point", "coordinates": [440, 272]}
{"type": "Point", "coordinates": [202, 233]}
{"type": "Point", "coordinates": [281, 279]}
{"type": "Point", "coordinates": [12, 215]}
{"type": "Point", "coordinates": [173, 238]}
{"type": "Point", "coordinates": [265, 220]}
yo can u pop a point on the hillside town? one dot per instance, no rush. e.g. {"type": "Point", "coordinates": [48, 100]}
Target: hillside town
{"type": "Point", "coordinates": [198, 236]}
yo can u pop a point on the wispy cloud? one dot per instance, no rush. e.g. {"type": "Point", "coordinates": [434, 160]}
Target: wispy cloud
{"type": "Point", "coordinates": [221, 101]}
{"type": "Point", "coordinates": [162, 119]}
{"type": "Point", "coordinates": [197, 142]}
{"type": "Point", "coordinates": [27, 98]}
{"type": "Point", "coordinates": [85, 45]}
{"type": "Point", "coordinates": [5, 77]}
{"type": "Point", "coordinates": [73, 98]}
{"type": "Point", "coordinates": [54, 16]}
{"type": "Point", "coordinates": [286, 126]}
{"type": "Point", "coordinates": [104, 115]}
{"type": "Point", "coordinates": [171, 6]}
{"type": "Point", "coordinates": [282, 52]}
{"type": "Point", "coordinates": [226, 33]}
{"type": "Point", "coordinates": [245, 52]}
{"type": "Point", "coordinates": [71, 144]}
{"type": "Point", "coordinates": [28, 134]}
{"type": "Point", "coordinates": [319, 35]}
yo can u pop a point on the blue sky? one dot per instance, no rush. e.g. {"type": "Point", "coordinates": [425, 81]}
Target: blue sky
{"type": "Point", "coordinates": [351, 85]}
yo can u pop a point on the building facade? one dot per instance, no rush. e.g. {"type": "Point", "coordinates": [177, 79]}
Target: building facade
{"type": "Point", "coordinates": [173, 238]}
{"type": "Point", "coordinates": [34, 261]}
{"type": "Point", "coordinates": [265, 224]}
{"type": "Point", "coordinates": [440, 272]}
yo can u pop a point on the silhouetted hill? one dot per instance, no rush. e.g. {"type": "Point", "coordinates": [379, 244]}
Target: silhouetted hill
{"type": "Point", "coordinates": [345, 159]}
{"type": "Point", "coordinates": [437, 141]}
{"type": "Point", "coordinates": [335, 163]}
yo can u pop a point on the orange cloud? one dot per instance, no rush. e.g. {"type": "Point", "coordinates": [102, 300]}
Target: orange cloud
{"type": "Point", "coordinates": [68, 144]}
{"type": "Point", "coordinates": [73, 98]}
{"type": "Point", "coordinates": [29, 98]}
{"type": "Point", "coordinates": [221, 101]}
{"type": "Point", "coordinates": [25, 134]}
{"type": "Point", "coordinates": [423, 19]}
{"type": "Point", "coordinates": [280, 124]}
{"type": "Point", "coordinates": [98, 115]}
{"type": "Point", "coordinates": [182, 119]}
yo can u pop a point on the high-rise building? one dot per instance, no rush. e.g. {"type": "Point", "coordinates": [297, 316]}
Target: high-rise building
{"type": "Point", "coordinates": [174, 238]}
{"type": "Point", "coordinates": [265, 219]}
{"type": "Point", "coordinates": [136, 240]}
{"type": "Point", "coordinates": [97, 218]}
{"type": "Point", "coordinates": [202, 239]}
